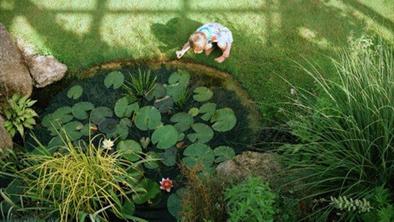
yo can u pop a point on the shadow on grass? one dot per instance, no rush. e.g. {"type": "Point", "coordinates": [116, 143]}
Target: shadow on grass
{"type": "Point", "coordinates": [260, 65]}
{"type": "Point", "coordinates": [88, 49]}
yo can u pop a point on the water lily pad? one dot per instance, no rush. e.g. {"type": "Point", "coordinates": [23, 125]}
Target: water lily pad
{"type": "Point", "coordinates": [158, 92]}
{"type": "Point", "coordinates": [55, 142]}
{"type": "Point", "coordinates": [165, 104]}
{"type": "Point", "coordinates": [174, 203]}
{"type": "Point", "coordinates": [223, 153]}
{"type": "Point", "coordinates": [177, 92]}
{"type": "Point", "coordinates": [223, 120]}
{"type": "Point", "coordinates": [107, 126]}
{"type": "Point", "coordinates": [154, 162]}
{"type": "Point", "coordinates": [121, 129]}
{"type": "Point", "coordinates": [152, 189]}
{"type": "Point", "coordinates": [80, 110]}
{"type": "Point", "coordinates": [125, 106]}
{"type": "Point", "coordinates": [100, 113]}
{"type": "Point", "coordinates": [114, 79]}
{"type": "Point", "coordinates": [182, 121]}
{"type": "Point", "coordinates": [165, 137]}
{"type": "Point", "coordinates": [129, 149]}
{"type": "Point", "coordinates": [168, 158]}
{"type": "Point", "coordinates": [147, 118]}
{"type": "Point", "coordinates": [180, 77]}
{"type": "Point", "coordinates": [199, 153]}
{"type": "Point", "coordinates": [75, 92]}
{"type": "Point", "coordinates": [88, 129]}
{"type": "Point", "coordinates": [208, 110]}
{"type": "Point", "coordinates": [74, 130]}
{"type": "Point", "coordinates": [193, 111]}
{"type": "Point", "coordinates": [62, 115]}
{"type": "Point", "coordinates": [202, 94]}
{"type": "Point", "coordinates": [128, 209]}
{"type": "Point", "coordinates": [203, 133]}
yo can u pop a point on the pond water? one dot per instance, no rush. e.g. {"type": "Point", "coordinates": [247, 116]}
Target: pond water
{"type": "Point", "coordinates": [226, 93]}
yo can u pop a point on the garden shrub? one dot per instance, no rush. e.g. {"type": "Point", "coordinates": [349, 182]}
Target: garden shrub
{"type": "Point", "coordinates": [251, 200]}
{"type": "Point", "coordinates": [346, 130]}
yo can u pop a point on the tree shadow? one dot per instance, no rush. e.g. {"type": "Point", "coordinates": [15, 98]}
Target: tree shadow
{"type": "Point", "coordinates": [83, 51]}
{"type": "Point", "coordinates": [264, 67]}
{"type": "Point", "coordinates": [371, 13]}
{"type": "Point", "coordinates": [175, 32]}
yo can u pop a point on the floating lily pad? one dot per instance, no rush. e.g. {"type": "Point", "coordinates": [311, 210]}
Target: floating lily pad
{"type": "Point", "coordinates": [80, 110]}
{"type": "Point", "coordinates": [154, 162]}
{"type": "Point", "coordinates": [128, 209]}
{"type": "Point", "coordinates": [208, 110]}
{"type": "Point", "coordinates": [147, 118]}
{"type": "Point", "coordinates": [193, 111]}
{"type": "Point", "coordinates": [121, 129]}
{"type": "Point", "coordinates": [199, 153]}
{"type": "Point", "coordinates": [107, 126]}
{"type": "Point", "coordinates": [88, 129]}
{"type": "Point", "coordinates": [152, 189]}
{"type": "Point", "coordinates": [223, 153]}
{"type": "Point", "coordinates": [223, 120]}
{"type": "Point", "coordinates": [114, 79]}
{"type": "Point", "coordinates": [177, 92]}
{"type": "Point", "coordinates": [74, 130]}
{"type": "Point", "coordinates": [165, 137]}
{"type": "Point", "coordinates": [158, 92]}
{"type": "Point", "coordinates": [62, 115]}
{"type": "Point", "coordinates": [165, 104]}
{"type": "Point", "coordinates": [180, 77]}
{"type": "Point", "coordinates": [75, 92]}
{"type": "Point", "coordinates": [202, 94]}
{"type": "Point", "coordinates": [168, 157]}
{"type": "Point", "coordinates": [182, 121]}
{"type": "Point", "coordinates": [203, 133]}
{"type": "Point", "coordinates": [100, 113]}
{"type": "Point", "coordinates": [174, 203]}
{"type": "Point", "coordinates": [129, 149]}
{"type": "Point", "coordinates": [125, 106]}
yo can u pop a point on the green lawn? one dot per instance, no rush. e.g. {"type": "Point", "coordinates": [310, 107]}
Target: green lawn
{"type": "Point", "coordinates": [270, 36]}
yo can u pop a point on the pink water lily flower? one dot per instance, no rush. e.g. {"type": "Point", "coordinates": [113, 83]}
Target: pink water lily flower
{"type": "Point", "coordinates": [166, 184]}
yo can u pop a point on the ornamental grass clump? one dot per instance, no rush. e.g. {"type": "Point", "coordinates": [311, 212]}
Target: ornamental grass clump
{"type": "Point", "coordinates": [82, 178]}
{"type": "Point", "coordinates": [346, 130]}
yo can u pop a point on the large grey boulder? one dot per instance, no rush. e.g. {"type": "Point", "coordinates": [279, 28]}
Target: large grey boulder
{"type": "Point", "coordinates": [264, 165]}
{"type": "Point", "coordinates": [44, 70]}
{"type": "Point", "coordinates": [5, 138]}
{"type": "Point", "coordinates": [14, 75]}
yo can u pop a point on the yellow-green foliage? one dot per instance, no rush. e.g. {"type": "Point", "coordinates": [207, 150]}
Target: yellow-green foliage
{"type": "Point", "coordinates": [84, 178]}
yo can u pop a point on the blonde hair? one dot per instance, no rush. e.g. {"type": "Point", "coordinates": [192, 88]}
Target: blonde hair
{"type": "Point", "coordinates": [197, 39]}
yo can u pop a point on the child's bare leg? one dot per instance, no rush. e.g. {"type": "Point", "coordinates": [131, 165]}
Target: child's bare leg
{"type": "Point", "coordinates": [208, 51]}
{"type": "Point", "coordinates": [226, 53]}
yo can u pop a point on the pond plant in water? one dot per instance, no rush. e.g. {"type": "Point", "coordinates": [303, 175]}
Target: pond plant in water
{"type": "Point", "coordinates": [150, 126]}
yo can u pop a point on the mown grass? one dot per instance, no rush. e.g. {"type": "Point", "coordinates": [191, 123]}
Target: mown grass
{"type": "Point", "coordinates": [269, 34]}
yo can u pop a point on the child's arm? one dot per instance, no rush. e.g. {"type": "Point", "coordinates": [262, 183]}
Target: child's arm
{"type": "Point", "coordinates": [225, 55]}
{"type": "Point", "coordinates": [184, 49]}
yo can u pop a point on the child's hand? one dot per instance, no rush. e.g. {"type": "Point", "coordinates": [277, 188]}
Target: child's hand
{"type": "Point", "coordinates": [179, 54]}
{"type": "Point", "coordinates": [220, 59]}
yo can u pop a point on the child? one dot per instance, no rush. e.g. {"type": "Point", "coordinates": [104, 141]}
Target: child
{"type": "Point", "coordinates": [202, 39]}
